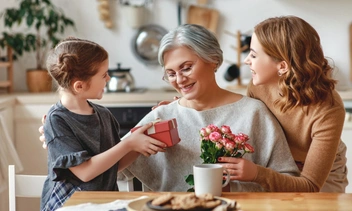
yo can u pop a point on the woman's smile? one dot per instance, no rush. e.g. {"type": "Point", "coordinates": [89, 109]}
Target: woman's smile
{"type": "Point", "coordinates": [186, 88]}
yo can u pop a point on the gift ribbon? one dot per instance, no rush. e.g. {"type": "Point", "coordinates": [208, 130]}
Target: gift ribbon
{"type": "Point", "coordinates": [173, 121]}
{"type": "Point", "coordinates": [151, 130]}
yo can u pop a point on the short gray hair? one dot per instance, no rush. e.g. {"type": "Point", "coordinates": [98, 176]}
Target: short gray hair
{"type": "Point", "coordinates": [195, 37]}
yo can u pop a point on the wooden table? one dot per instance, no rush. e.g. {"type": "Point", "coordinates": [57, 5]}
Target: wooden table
{"type": "Point", "coordinates": [248, 201]}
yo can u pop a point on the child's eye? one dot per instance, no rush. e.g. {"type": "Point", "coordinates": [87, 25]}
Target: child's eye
{"type": "Point", "coordinates": [252, 55]}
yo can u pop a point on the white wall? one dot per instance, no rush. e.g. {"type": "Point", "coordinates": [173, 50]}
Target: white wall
{"type": "Point", "coordinates": [331, 18]}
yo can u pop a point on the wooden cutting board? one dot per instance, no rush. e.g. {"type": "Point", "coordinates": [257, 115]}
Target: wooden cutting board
{"type": "Point", "coordinates": [203, 16]}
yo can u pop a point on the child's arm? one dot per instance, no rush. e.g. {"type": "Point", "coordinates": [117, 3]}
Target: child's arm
{"type": "Point", "coordinates": [137, 141]}
{"type": "Point", "coordinates": [127, 160]}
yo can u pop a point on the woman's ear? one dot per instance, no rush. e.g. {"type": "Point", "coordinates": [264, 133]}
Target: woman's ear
{"type": "Point", "coordinates": [283, 67]}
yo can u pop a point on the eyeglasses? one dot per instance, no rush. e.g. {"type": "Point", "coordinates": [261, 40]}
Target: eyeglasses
{"type": "Point", "coordinates": [171, 76]}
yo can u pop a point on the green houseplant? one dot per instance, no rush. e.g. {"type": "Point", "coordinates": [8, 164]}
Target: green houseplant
{"type": "Point", "coordinates": [34, 26]}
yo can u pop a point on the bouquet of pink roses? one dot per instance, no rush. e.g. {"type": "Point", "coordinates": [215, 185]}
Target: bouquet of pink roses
{"type": "Point", "coordinates": [220, 142]}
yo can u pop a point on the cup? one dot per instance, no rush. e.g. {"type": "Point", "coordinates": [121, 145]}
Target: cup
{"type": "Point", "coordinates": [208, 179]}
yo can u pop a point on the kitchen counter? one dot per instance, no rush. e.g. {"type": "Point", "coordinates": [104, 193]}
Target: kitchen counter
{"type": "Point", "coordinates": [143, 96]}
{"type": "Point", "coordinates": [149, 96]}
{"type": "Point", "coordinates": [6, 101]}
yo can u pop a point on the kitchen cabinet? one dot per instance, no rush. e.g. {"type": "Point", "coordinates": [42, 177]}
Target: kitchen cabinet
{"type": "Point", "coordinates": [347, 139]}
{"type": "Point", "coordinates": [6, 126]}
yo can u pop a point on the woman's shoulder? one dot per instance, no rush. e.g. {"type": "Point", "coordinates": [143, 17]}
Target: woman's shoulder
{"type": "Point", "coordinates": [253, 102]}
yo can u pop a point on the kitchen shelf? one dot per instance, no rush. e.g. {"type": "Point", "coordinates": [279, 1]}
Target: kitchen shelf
{"type": "Point", "coordinates": [8, 66]}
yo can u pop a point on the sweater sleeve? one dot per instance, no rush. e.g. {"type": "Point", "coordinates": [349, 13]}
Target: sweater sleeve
{"type": "Point", "coordinates": [325, 138]}
{"type": "Point", "coordinates": [275, 181]}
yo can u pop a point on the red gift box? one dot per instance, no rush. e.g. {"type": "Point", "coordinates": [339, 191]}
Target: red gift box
{"type": "Point", "coordinates": [163, 130]}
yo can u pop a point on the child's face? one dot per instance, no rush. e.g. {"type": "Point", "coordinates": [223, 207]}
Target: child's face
{"type": "Point", "coordinates": [98, 82]}
{"type": "Point", "coordinates": [264, 69]}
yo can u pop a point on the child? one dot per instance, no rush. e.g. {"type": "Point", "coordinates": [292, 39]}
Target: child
{"type": "Point", "coordinates": [84, 148]}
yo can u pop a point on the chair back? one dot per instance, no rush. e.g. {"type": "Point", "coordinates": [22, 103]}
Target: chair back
{"type": "Point", "coordinates": [24, 186]}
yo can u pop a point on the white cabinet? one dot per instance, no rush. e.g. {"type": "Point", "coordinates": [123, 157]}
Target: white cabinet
{"type": "Point", "coordinates": [6, 124]}
{"type": "Point", "coordinates": [27, 120]}
{"type": "Point", "coordinates": [347, 139]}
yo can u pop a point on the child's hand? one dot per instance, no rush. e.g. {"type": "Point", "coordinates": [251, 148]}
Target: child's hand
{"type": "Point", "coordinates": [144, 144]}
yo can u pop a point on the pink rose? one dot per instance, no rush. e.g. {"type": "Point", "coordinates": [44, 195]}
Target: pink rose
{"type": "Point", "coordinates": [226, 129]}
{"type": "Point", "coordinates": [212, 128]}
{"type": "Point", "coordinates": [243, 137]}
{"type": "Point", "coordinates": [231, 136]}
{"type": "Point", "coordinates": [218, 145]}
{"type": "Point", "coordinates": [203, 132]}
{"type": "Point", "coordinates": [229, 145]}
{"type": "Point", "coordinates": [248, 148]}
{"type": "Point", "coordinates": [214, 136]}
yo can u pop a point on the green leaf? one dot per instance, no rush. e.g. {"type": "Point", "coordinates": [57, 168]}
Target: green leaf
{"type": "Point", "coordinates": [190, 190]}
{"type": "Point", "coordinates": [40, 15]}
{"type": "Point", "coordinates": [30, 20]}
{"type": "Point", "coordinates": [189, 179]}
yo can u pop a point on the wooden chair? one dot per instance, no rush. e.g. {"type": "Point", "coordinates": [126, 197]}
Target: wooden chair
{"type": "Point", "coordinates": [23, 186]}
{"type": "Point", "coordinates": [125, 185]}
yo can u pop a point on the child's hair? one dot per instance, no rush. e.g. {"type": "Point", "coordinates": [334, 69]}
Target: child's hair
{"type": "Point", "coordinates": [293, 40]}
{"type": "Point", "coordinates": [74, 59]}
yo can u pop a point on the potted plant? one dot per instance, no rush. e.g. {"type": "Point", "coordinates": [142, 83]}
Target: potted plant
{"type": "Point", "coordinates": [44, 23]}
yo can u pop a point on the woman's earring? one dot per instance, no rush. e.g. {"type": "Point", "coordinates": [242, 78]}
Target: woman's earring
{"type": "Point", "coordinates": [279, 73]}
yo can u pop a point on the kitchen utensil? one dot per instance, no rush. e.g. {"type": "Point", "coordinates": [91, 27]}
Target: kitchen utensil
{"type": "Point", "coordinates": [179, 12]}
{"type": "Point", "coordinates": [232, 72]}
{"type": "Point", "coordinates": [201, 15]}
{"type": "Point", "coordinates": [135, 15]}
{"type": "Point", "coordinates": [146, 43]}
{"type": "Point", "coordinates": [245, 43]}
{"type": "Point", "coordinates": [121, 80]}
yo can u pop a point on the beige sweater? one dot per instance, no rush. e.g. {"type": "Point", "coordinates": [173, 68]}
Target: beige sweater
{"type": "Point", "coordinates": [313, 135]}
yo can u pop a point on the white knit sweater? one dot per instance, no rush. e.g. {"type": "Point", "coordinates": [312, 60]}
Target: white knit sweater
{"type": "Point", "coordinates": [167, 171]}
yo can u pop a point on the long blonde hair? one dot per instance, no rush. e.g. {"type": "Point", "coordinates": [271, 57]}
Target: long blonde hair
{"type": "Point", "coordinates": [293, 40]}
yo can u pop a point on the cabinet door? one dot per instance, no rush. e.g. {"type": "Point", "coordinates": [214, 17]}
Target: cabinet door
{"type": "Point", "coordinates": [347, 139]}
{"type": "Point", "coordinates": [6, 135]}
{"type": "Point", "coordinates": [27, 121]}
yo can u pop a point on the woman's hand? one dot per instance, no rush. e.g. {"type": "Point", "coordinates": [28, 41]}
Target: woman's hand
{"type": "Point", "coordinates": [239, 168]}
{"type": "Point", "coordinates": [164, 102]}
{"type": "Point", "coordinates": [144, 144]}
{"type": "Point", "coordinates": [41, 131]}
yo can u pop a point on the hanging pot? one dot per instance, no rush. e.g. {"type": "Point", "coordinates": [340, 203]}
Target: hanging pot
{"type": "Point", "coordinates": [146, 43]}
{"type": "Point", "coordinates": [232, 72]}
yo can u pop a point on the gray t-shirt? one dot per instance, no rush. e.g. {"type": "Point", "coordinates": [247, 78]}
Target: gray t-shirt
{"type": "Point", "coordinates": [167, 171]}
{"type": "Point", "coordinates": [73, 139]}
